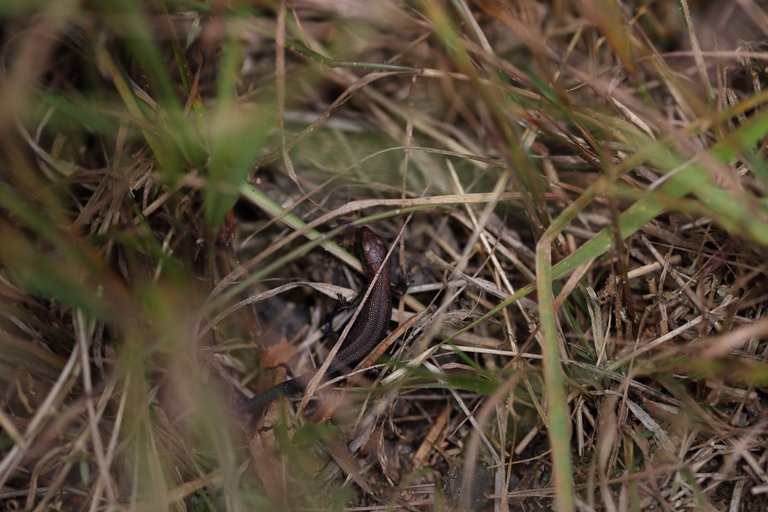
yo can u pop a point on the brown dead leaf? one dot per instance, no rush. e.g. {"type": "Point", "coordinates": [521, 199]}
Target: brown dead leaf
{"type": "Point", "coordinates": [278, 354]}
{"type": "Point", "coordinates": [265, 464]}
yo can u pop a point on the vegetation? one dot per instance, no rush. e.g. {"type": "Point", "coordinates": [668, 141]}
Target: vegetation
{"type": "Point", "coordinates": [574, 194]}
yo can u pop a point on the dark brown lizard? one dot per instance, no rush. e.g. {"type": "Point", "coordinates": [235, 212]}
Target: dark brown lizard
{"type": "Point", "coordinates": [369, 328]}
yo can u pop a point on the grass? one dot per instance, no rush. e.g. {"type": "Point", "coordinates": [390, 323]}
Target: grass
{"type": "Point", "coordinates": [576, 200]}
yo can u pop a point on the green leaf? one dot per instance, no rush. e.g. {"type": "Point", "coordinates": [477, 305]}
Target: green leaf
{"type": "Point", "coordinates": [237, 134]}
